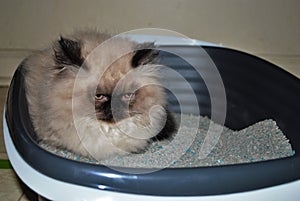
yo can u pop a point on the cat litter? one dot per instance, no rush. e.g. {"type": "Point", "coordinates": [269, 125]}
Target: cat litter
{"type": "Point", "coordinates": [259, 142]}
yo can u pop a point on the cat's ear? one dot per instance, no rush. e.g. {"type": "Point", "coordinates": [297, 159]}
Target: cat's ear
{"type": "Point", "coordinates": [145, 54]}
{"type": "Point", "coordinates": [68, 52]}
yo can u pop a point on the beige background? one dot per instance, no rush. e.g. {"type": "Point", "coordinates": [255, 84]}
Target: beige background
{"type": "Point", "coordinates": [267, 28]}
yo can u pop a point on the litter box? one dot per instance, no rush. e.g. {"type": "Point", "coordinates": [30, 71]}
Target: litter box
{"type": "Point", "coordinates": [254, 90]}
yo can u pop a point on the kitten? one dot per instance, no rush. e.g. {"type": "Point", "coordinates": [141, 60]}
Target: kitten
{"type": "Point", "coordinates": [96, 95]}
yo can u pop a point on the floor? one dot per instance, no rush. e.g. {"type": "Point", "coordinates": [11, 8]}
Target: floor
{"type": "Point", "coordinates": [11, 188]}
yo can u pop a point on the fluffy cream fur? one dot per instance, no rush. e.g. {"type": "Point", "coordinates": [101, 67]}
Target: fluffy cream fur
{"type": "Point", "coordinates": [61, 99]}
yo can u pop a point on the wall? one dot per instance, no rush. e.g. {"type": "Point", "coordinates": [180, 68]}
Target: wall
{"type": "Point", "coordinates": [268, 28]}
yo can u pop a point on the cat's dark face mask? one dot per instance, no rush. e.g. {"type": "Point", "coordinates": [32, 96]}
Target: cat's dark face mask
{"type": "Point", "coordinates": [113, 108]}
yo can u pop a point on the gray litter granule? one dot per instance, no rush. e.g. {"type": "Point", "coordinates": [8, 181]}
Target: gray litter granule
{"type": "Point", "coordinates": [200, 142]}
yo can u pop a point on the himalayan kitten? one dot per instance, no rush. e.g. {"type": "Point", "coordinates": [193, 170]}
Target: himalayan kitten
{"type": "Point", "coordinates": [97, 95]}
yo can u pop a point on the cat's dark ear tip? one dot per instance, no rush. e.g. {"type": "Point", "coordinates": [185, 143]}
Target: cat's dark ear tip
{"type": "Point", "coordinates": [61, 39]}
{"type": "Point", "coordinates": [69, 52]}
{"type": "Point", "coordinates": [145, 54]}
{"type": "Point", "coordinates": [67, 43]}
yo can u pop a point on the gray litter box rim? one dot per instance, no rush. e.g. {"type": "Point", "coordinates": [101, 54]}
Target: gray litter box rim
{"type": "Point", "coordinates": [214, 180]}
